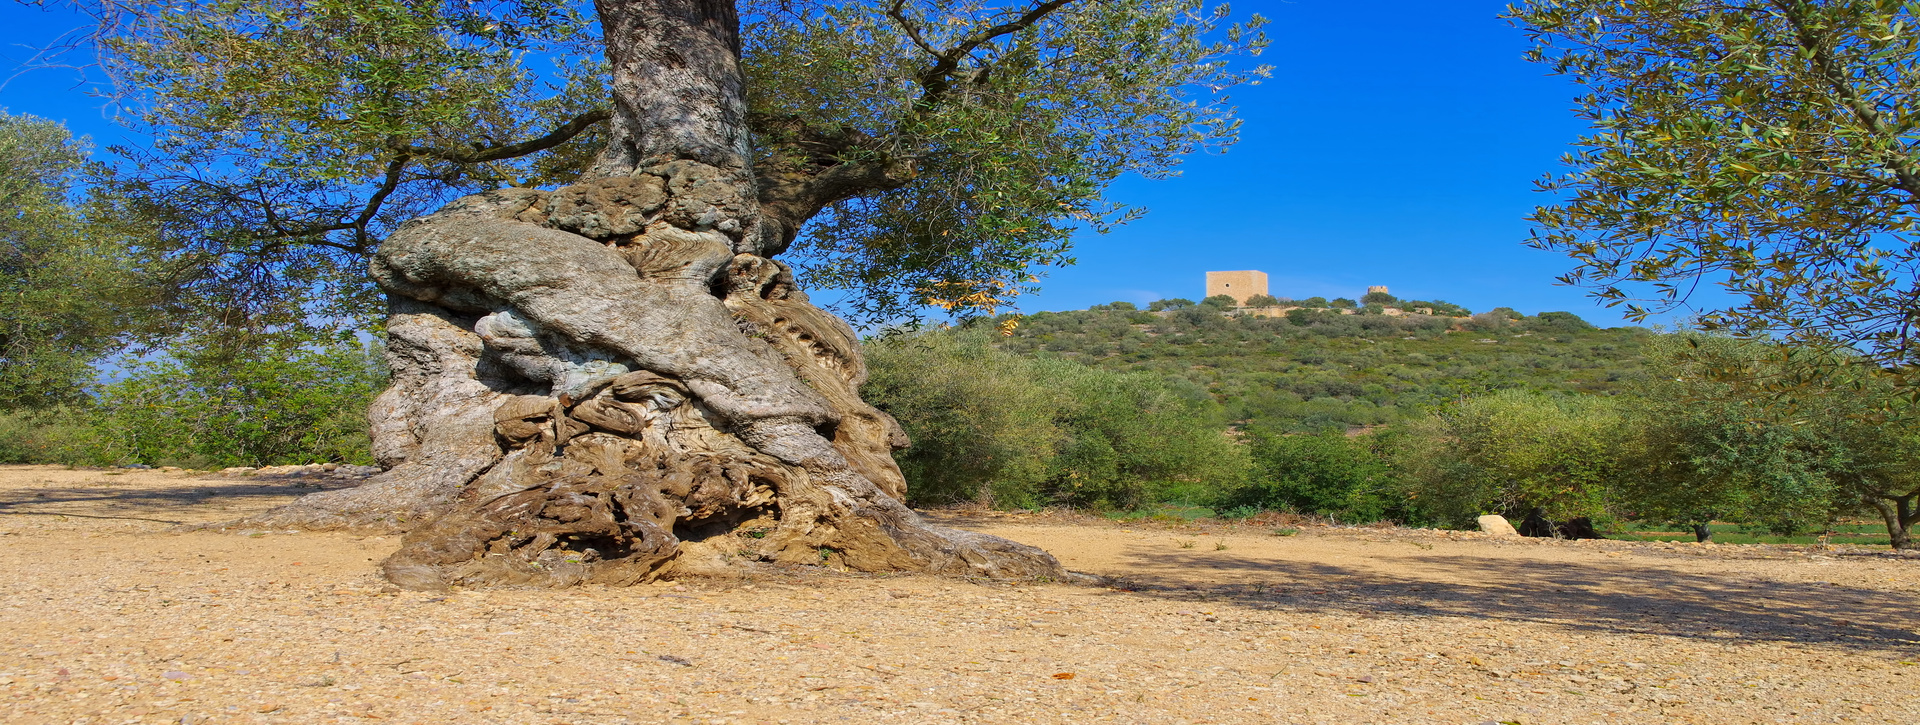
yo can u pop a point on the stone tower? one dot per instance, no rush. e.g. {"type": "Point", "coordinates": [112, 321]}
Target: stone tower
{"type": "Point", "coordinates": [1239, 285]}
{"type": "Point", "coordinates": [1381, 288]}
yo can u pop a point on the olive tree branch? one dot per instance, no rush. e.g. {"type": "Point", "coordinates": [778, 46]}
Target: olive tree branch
{"type": "Point", "coordinates": [1829, 71]}
{"type": "Point", "coordinates": [480, 155]}
{"type": "Point", "coordinates": [817, 171]}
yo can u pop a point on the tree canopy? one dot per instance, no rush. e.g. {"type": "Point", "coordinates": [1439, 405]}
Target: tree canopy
{"type": "Point", "coordinates": [913, 152]}
{"type": "Point", "coordinates": [1765, 146]}
{"type": "Point", "coordinates": [62, 275]}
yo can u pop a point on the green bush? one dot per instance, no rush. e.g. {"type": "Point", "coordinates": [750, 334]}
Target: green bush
{"type": "Point", "coordinates": [981, 426]}
{"type": "Point", "coordinates": [1133, 438]}
{"type": "Point", "coordinates": [1329, 474]}
{"type": "Point", "coordinates": [1019, 431]}
{"type": "Point", "coordinates": [64, 435]}
{"type": "Point", "coordinates": [275, 405]}
{"type": "Point", "coordinates": [1511, 452]}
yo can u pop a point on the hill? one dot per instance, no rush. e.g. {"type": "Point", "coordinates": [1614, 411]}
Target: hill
{"type": "Point", "coordinates": [1314, 369]}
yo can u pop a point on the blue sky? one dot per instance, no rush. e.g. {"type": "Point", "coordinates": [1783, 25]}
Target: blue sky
{"type": "Point", "coordinates": [1397, 143]}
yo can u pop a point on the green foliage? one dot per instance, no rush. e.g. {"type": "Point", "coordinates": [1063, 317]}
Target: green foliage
{"type": "Point", "coordinates": [1559, 322]}
{"type": "Point", "coordinates": [1018, 153]}
{"type": "Point", "coordinates": [981, 426]}
{"type": "Point", "coordinates": [1318, 369]}
{"type": "Point", "coordinates": [291, 135]}
{"type": "Point", "coordinates": [1379, 298]}
{"type": "Point", "coordinates": [1768, 148]}
{"type": "Point", "coordinates": [1329, 474]}
{"type": "Point", "coordinates": [1224, 302]}
{"type": "Point", "coordinates": [274, 405]}
{"type": "Point", "coordinates": [1512, 452]}
{"type": "Point", "coordinates": [1263, 301]}
{"type": "Point", "coordinates": [1714, 441]}
{"type": "Point", "coordinates": [65, 434]}
{"type": "Point", "coordinates": [66, 291]}
{"type": "Point", "coordinates": [1131, 438]}
{"type": "Point", "coordinates": [1169, 304]}
{"type": "Point", "coordinates": [1441, 308]}
{"type": "Point", "coordinates": [1024, 432]}
{"type": "Point", "coordinates": [1697, 463]}
{"type": "Point", "coordinates": [1342, 303]}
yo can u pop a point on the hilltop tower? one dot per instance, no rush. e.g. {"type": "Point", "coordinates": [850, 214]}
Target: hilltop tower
{"type": "Point", "coordinates": [1381, 288]}
{"type": "Point", "coordinates": [1239, 285]}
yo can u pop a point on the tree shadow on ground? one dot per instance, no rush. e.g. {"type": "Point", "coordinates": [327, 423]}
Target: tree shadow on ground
{"type": "Point", "coordinates": [157, 504]}
{"type": "Point", "coordinates": [1599, 597]}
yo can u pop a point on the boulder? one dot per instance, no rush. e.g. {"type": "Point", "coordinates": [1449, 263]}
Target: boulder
{"type": "Point", "coordinates": [1497, 525]}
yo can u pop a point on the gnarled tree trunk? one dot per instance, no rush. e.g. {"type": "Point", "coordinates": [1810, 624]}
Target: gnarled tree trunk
{"type": "Point", "coordinates": [614, 379]}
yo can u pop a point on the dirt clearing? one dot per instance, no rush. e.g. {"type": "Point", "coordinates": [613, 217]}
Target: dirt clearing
{"type": "Point", "coordinates": [111, 616]}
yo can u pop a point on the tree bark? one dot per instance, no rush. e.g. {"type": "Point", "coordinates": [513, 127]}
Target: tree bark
{"type": "Point", "coordinates": [1703, 533]}
{"type": "Point", "coordinates": [611, 381]}
{"type": "Point", "coordinates": [1899, 514]}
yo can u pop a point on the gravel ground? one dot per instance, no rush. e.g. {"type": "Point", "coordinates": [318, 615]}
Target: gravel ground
{"type": "Point", "coordinates": [113, 615]}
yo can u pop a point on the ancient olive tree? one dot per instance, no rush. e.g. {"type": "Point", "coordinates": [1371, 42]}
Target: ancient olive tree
{"type": "Point", "coordinates": [1771, 147]}
{"type": "Point", "coordinates": [600, 366]}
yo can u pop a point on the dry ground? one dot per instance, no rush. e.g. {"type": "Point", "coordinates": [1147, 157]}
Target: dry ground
{"type": "Point", "coordinates": [112, 616]}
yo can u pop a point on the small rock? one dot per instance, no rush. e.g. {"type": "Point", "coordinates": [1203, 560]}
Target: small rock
{"type": "Point", "coordinates": [1497, 525]}
{"type": "Point", "coordinates": [176, 675]}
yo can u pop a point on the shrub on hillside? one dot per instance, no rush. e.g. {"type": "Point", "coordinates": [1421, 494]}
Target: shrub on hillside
{"type": "Point", "coordinates": [1328, 474]}
{"type": "Point", "coordinates": [981, 425]}
{"type": "Point", "coordinates": [1512, 452]}
{"type": "Point", "coordinates": [1440, 308]}
{"type": "Point", "coordinates": [1129, 438]}
{"type": "Point", "coordinates": [1026, 431]}
{"type": "Point", "coordinates": [1558, 322]}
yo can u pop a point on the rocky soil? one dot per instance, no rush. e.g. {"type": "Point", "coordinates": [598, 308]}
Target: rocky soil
{"type": "Point", "coordinates": [114, 614]}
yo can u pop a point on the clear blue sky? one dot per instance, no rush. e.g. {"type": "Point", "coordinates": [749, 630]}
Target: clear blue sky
{"type": "Point", "coordinates": [1396, 144]}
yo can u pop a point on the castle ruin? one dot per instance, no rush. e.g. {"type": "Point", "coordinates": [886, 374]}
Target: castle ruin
{"type": "Point", "coordinates": [1240, 285]}
{"type": "Point", "coordinates": [1243, 285]}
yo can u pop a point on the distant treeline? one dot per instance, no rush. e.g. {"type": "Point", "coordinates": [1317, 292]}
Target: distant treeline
{"type": "Point", "coordinates": [1398, 420]}
{"type": "Point", "coordinates": [1310, 371]}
